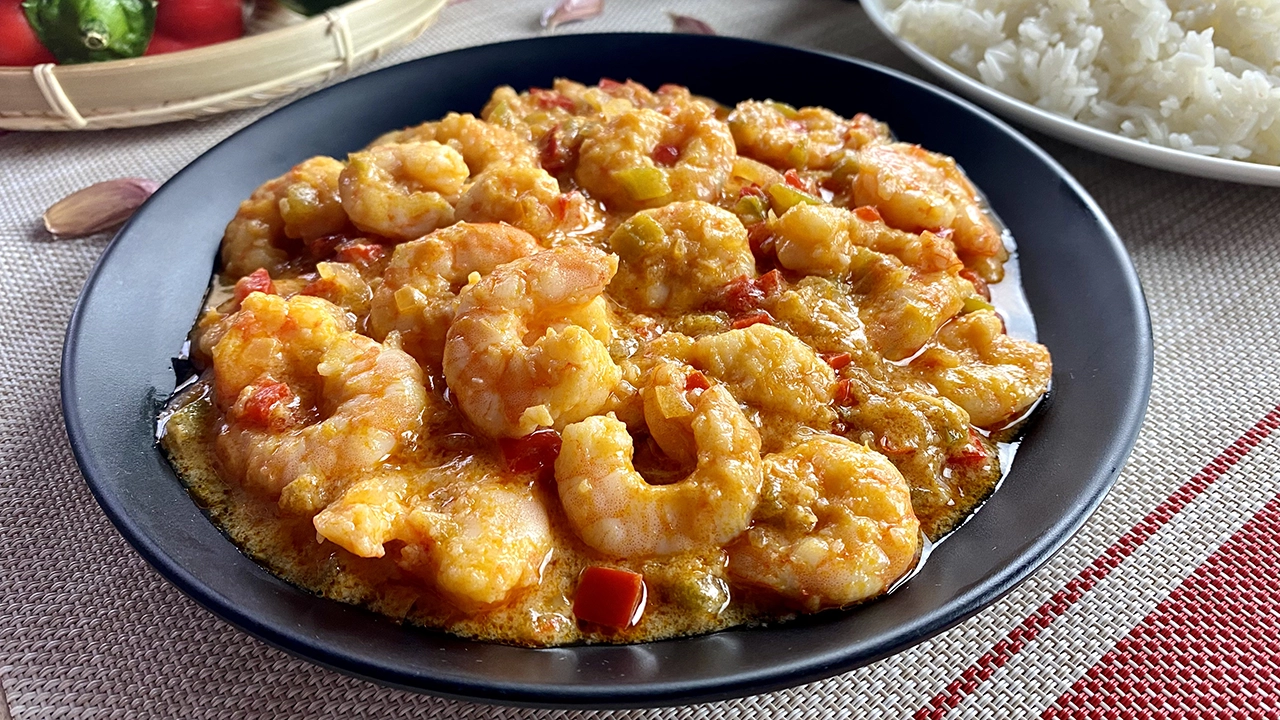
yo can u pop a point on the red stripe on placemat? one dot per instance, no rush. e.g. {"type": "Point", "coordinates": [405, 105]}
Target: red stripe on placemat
{"type": "Point", "coordinates": [1192, 657]}
{"type": "Point", "coordinates": [995, 658]}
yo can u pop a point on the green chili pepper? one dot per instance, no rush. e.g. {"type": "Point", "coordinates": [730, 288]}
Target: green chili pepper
{"type": "Point", "coordinates": [78, 31]}
{"type": "Point", "coordinates": [643, 182]}
{"type": "Point", "coordinates": [786, 197]}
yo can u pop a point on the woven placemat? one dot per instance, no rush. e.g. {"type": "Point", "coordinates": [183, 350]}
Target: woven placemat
{"type": "Point", "coordinates": [1164, 605]}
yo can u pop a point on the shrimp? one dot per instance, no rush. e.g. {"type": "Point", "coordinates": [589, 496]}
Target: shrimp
{"type": "Point", "coordinates": [418, 294]}
{"type": "Point", "coordinates": [302, 204]}
{"type": "Point", "coordinates": [528, 198]}
{"type": "Point", "coordinates": [614, 510]}
{"type": "Point", "coordinates": [994, 377]}
{"type": "Point", "coordinates": [673, 258]}
{"type": "Point", "coordinates": [771, 370]}
{"type": "Point", "coordinates": [479, 542]}
{"type": "Point", "coordinates": [834, 526]}
{"type": "Point", "coordinates": [308, 402]}
{"type": "Point", "coordinates": [402, 191]}
{"type": "Point", "coordinates": [915, 190]}
{"type": "Point", "coordinates": [481, 144]}
{"type": "Point", "coordinates": [528, 346]}
{"type": "Point", "coordinates": [901, 305]}
{"type": "Point", "coordinates": [810, 138]}
{"type": "Point", "coordinates": [642, 158]}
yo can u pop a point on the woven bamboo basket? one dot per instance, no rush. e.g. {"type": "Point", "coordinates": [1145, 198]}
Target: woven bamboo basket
{"type": "Point", "coordinates": [250, 71]}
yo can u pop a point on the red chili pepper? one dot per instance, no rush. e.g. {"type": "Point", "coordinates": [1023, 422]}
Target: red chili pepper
{"type": "Point", "coordinates": [666, 155]}
{"type": "Point", "coordinates": [740, 295]}
{"type": "Point", "coordinates": [793, 179]}
{"type": "Point", "coordinates": [19, 46]}
{"type": "Point", "coordinates": [761, 239]}
{"type": "Point", "coordinates": [535, 452]}
{"type": "Point", "coordinates": [696, 381]}
{"type": "Point", "coordinates": [359, 253]}
{"type": "Point", "coordinates": [868, 213]}
{"type": "Point", "coordinates": [843, 393]}
{"type": "Point", "coordinates": [753, 190]}
{"type": "Point", "coordinates": [974, 453]}
{"type": "Point", "coordinates": [770, 282]}
{"type": "Point", "coordinates": [186, 24]}
{"type": "Point", "coordinates": [837, 360]}
{"type": "Point", "coordinates": [260, 407]}
{"type": "Point", "coordinates": [609, 596]}
{"type": "Point", "coordinates": [754, 318]}
{"type": "Point", "coordinates": [257, 281]}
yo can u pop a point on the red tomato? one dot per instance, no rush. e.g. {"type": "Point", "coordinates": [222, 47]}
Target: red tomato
{"type": "Point", "coordinates": [183, 24]}
{"type": "Point", "coordinates": [609, 596]}
{"type": "Point", "coordinates": [18, 43]}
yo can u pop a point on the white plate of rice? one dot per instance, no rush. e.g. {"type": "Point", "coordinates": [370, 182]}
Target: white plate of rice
{"type": "Point", "coordinates": [1191, 86]}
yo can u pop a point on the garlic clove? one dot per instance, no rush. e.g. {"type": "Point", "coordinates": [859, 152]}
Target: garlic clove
{"type": "Point", "coordinates": [99, 207]}
{"type": "Point", "coordinates": [566, 11]}
{"type": "Point", "coordinates": [689, 25]}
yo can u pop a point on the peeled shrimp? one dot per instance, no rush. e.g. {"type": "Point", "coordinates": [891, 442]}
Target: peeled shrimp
{"type": "Point", "coordinates": [403, 191]}
{"type": "Point", "coordinates": [810, 138]}
{"type": "Point", "coordinates": [915, 190]}
{"type": "Point", "coordinates": [994, 377]}
{"type": "Point", "coordinates": [825, 240]}
{"type": "Point", "coordinates": [528, 346]}
{"type": "Point", "coordinates": [834, 526]}
{"type": "Point", "coordinates": [479, 542]}
{"type": "Point", "coordinates": [302, 204]}
{"type": "Point", "coordinates": [526, 197]}
{"type": "Point", "coordinates": [614, 510]}
{"type": "Point", "coordinates": [418, 294]}
{"type": "Point", "coordinates": [309, 402]}
{"type": "Point", "coordinates": [482, 145]}
{"type": "Point", "coordinates": [673, 258]}
{"type": "Point", "coordinates": [642, 158]}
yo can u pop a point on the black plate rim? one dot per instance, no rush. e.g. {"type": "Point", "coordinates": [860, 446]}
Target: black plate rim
{"type": "Point", "coordinates": [669, 692]}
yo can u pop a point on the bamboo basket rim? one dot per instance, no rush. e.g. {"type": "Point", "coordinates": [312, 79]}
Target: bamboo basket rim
{"type": "Point", "coordinates": [309, 52]}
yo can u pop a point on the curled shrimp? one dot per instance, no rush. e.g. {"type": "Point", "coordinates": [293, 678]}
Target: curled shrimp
{"type": "Point", "coordinates": [834, 526]}
{"type": "Point", "coordinates": [402, 191]}
{"type": "Point", "coordinates": [528, 346]}
{"type": "Point", "coordinates": [614, 510]}
{"type": "Point", "coordinates": [481, 144]}
{"type": "Point", "coordinates": [811, 138]}
{"type": "Point", "coordinates": [526, 197]}
{"type": "Point", "coordinates": [418, 295]}
{"type": "Point", "coordinates": [673, 258]}
{"type": "Point", "coordinates": [641, 158]}
{"type": "Point", "coordinates": [916, 190]}
{"type": "Point", "coordinates": [302, 204]}
{"type": "Point", "coordinates": [308, 402]}
{"type": "Point", "coordinates": [479, 542]}
{"type": "Point", "coordinates": [825, 240]}
{"type": "Point", "coordinates": [976, 365]}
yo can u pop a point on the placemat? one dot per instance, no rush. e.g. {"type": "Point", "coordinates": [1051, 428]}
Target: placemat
{"type": "Point", "coordinates": [1164, 605]}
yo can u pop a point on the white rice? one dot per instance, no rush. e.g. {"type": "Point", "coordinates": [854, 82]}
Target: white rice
{"type": "Point", "coordinates": [1196, 75]}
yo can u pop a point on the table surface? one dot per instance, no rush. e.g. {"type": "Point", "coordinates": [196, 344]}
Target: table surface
{"type": "Point", "coordinates": [1166, 604]}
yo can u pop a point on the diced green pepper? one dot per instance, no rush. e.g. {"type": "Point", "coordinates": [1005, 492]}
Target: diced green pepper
{"type": "Point", "coordinates": [750, 209]}
{"type": "Point", "coordinates": [785, 197]}
{"type": "Point", "coordinates": [79, 31]}
{"type": "Point", "coordinates": [643, 183]}
{"type": "Point", "coordinates": [798, 155]}
{"type": "Point", "coordinates": [974, 303]}
{"type": "Point", "coordinates": [640, 231]}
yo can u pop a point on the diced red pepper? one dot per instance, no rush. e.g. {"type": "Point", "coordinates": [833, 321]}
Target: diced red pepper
{"type": "Point", "coordinates": [740, 295]}
{"type": "Point", "coordinates": [260, 407]}
{"type": "Point", "coordinates": [754, 318]}
{"type": "Point", "coordinates": [666, 155]}
{"type": "Point", "coordinates": [535, 452]}
{"type": "Point", "coordinates": [761, 239]}
{"type": "Point", "coordinates": [793, 179]}
{"type": "Point", "coordinates": [978, 283]}
{"type": "Point", "coordinates": [974, 453]}
{"type": "Point", "coordinates": [609, 596]}
{"type": "Point", "coordinates": [360, 253]}
{"type": "Point", "coordinates": [547, 99]}
{"type": "Point", "coordinates": [257, 281]}
{"type": "Point", "coordinates": [608, 84]}
{"type": "Point", "coordinates": [770, 282]}
{"type": "Point", "coordinates": [553, 153]}
{"type": "Point", "coordinates": [868, 213]}
{"type": "Point", "coordinates": [696, 381]}
{"type": "Point", "coordinates": [843, 394]}
{"type": "Point", "coordinates": [837, 360]}
{"type": "Point", "coordinates": [753, 190]}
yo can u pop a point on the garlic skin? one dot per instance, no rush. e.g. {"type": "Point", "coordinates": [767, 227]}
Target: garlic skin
{"type": "Point", "coordinates": [566, 11]}
{"type": "Point", "coordinates": [689, 25]}
{"type": "Point", "coordinates": [99, 207]}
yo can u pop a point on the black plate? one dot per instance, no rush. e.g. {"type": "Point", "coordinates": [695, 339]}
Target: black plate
{"type": "Point", "coordinates": [141, 300]}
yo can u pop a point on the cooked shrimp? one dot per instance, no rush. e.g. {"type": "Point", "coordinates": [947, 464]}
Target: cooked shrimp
{"type": "Point", "coordinates": [302, 204]}
{"type": "Point", "coordinates": [528, 198]}
{"type": "Point", "coordinates": [614, 510]}
{"type": "Point", "coordinates": [478, 542]}
{"type": "Point", "coordinates": [642, 158]}
{"type": "Point", "coordinates": [481, 144]}
{"type": "Point", "coordinates": [343, 285]}
{"type": "Point", "coordinates": [418, 294]}
{"type": "Point", "coordinates": [403, 191]}
{"type": "Point", "coordinates": [834, 526]}
{"type": "Point", "coordinates": [994, 377]}
{"type": "Point", "coordinates": [824, 240]}
{"type": "Point", "coordinates": [673, 258]}
{"type": "Point", "coordinates": [771, 370]}
{"type": "Point", "coordinates": [810, 138]}
{"type": "Point", "coordinates": [309, 402]}
{"type": "Point", "coordinates": [915, 190]}
{"type": "Point", "coordinates": [528, 346]}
